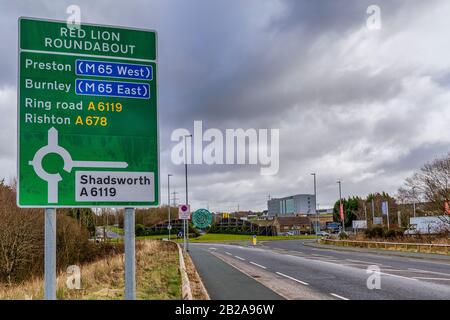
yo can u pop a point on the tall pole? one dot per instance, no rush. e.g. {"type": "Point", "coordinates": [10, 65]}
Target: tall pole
{"type": "Point", "coordinates": [414, 201]}
{"type": "Point", "coordinates": [340, 206]}
{"type": "Point", "coordinates": [186, 222]}
{"type": "Point", "coordinates": [387, 212]}
{"type": "Point", "coordinates": [315, 207]}
{"type": "Point", "coordinates": [373, 209]}
{"type": "Point", "coordinates": [130, 265]}
{"type": "Point", "coordinates": [50, 254]}
{"type": "Point", "coordinates": [169, 226]}
{"type": "Point", "coordinates": [365, 212]}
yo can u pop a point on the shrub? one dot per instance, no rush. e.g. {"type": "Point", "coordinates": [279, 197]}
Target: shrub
{"type": "Point", "coordinates": [139, 230]}
{"type": "Point", "coordinates": [393, 233]}
{"type": "Point", "coordinates": [343, 236]}
{"type": "Point", "coordinates": [374, 232]}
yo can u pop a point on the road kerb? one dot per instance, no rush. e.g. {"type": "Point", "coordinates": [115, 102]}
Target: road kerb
{"type": "Point", "coordinates": [186, 291]}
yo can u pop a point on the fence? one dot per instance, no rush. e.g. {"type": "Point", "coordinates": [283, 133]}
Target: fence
{"type": "Point", "coordinates": [402, 246]}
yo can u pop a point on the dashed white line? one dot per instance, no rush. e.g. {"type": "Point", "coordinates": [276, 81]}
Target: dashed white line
{"type": "Point", "coordinates": [289, 277]}
{"type": "Point", "coordinates": [397, 276]}
{"type": "Point", "coordinates": [425, 271]}
{"type": "Point", "coordinates": [368, 262]}
{"type": "Point", "coordinates": [425, 278]}
{"type": "Point", "coordinates": [239, 258]}
{"type": "Point", "coordinates": [228, 253]}
{"type": "Point", "coordinates": [258, 265]}
{"type": "Point", "coordinates": [338, 296]}
{"type": "Point", "coordinates": [212, 248]}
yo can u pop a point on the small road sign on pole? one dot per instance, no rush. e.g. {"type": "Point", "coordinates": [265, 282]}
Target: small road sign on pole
{"type": "Point", "coordinates": [184, 213]}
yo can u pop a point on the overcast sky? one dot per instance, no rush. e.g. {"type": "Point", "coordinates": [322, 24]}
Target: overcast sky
{"type": "Point", "coordinates": [368, 107]}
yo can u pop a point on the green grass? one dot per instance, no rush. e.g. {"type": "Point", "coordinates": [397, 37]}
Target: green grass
{"type": "Point", "coordinates": [217, 237]}
{"type": "Point", "coordinates": [116, 230]}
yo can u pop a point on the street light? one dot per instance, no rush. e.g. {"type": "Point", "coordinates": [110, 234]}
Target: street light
{"type": "Point", "coordinates": [340, 206]}
{"type": "Point", "coordinates": [414, 201]}
{"type": "Point", "coordinates": [169, 226]}
{"type": "Point", "coordinates": [186, 223]}
{"type": "Point", "coordinates": [315, 207]}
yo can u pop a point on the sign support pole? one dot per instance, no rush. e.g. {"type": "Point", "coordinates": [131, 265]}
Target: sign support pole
{"type": "Point", "coordinates": [130, 255]}
{"type": "Point", "coordinates": [50, 254]}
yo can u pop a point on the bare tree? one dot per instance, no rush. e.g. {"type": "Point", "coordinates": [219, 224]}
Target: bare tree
{"type": "Point", "coordinates": [431, 187]}
{"type": "Point", "coordinates": [20, 239]}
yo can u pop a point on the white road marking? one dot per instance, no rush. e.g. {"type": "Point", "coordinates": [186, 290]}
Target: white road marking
{"type": "Point", "coordinates": [338, 296]}
{"type": "Point", "coordinates": [425, 278]}
{"type": "Point", "coordinates": [240, 258]}
{"type": "Point", "coordinates": [297, 252]}
{"type": "Point", "coordinates": [258, 265]}
{"type": "Point", "coordinates": [368, 262]}
{"type": "Point", "coordinates": [397, 276]}
{"type": "Point", "coordinates": [289, 277]}
{"type": "Point", "coordinates": [425, 271]}
{"type": "Point", "coordinates": [228, 253]}
{"type": "Point", "coordinates": [212, 248]}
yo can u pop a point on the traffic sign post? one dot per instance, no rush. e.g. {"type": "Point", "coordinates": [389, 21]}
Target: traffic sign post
{"type": "Point", "coordinates": [87, 125]}
{"type": "Point", "coordinates": [50, 254]}
{"type": "Point", "coordinates": [184, 213]}
{"type": "Point", "coordinates": [130, 265]}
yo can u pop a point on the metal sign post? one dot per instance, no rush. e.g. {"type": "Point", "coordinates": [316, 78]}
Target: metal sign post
{"type": "Point", "coordinates": [184, 213]}
{"type": "Point", "coordinates": [130, 255]}
{"type": "Point", "coordinates": [50, 254]}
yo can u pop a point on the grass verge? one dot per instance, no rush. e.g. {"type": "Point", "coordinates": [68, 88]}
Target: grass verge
{"type": "Point", "coordinates": [391, 246]}
{"type": "Point", "coordinates": [116, 230]}
{"type": "Point", "coordinates": [157, 277]}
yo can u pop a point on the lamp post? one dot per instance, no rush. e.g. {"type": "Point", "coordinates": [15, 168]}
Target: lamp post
{"type": "Point", "coordinates": [315, 207]}
{"type": "Point", "coordinates": [186, 222]}
{"type": "Point", "coordinates": [169, 226]}
{"type": "Point", "coordinates": [340, 206]}
{"type": "Point", "coordinates": [414, 201]}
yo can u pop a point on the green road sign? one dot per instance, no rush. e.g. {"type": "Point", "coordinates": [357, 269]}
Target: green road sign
{"type": "Point", "coordinates": [87, 116]}
{"type": "Point", "coordinates": [202, 218]}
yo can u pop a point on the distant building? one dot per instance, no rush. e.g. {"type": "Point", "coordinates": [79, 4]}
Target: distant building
{"type": "Point", "coordinates": [325, 211]}
{"type": "Point", "coordinates": [295, 225]}
{"type": "Point", "coordinates": [293, 205]}
{"type": "Point", "coordinates": [323, 220]}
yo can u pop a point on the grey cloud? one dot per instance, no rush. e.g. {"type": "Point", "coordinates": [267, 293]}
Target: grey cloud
{"type": "Point", "coordinates": [260, 64]}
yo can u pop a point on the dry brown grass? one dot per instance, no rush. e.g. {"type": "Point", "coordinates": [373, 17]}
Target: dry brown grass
{"type": "Point", "coordinates": [157, 277]}
{"type": "Point", "coordinates": [429, 239]}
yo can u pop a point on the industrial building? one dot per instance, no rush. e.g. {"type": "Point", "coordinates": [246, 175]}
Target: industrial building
{"type": "Point", "coordinates": [292, 205]}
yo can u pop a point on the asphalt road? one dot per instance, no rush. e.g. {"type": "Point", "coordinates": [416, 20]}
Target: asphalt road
{"type": "Point", "coordinates": [314, 273]}
{"type": "Point", "coordinates": [109, 234]}
{"type": "Point", "coordinates": [224, 282]}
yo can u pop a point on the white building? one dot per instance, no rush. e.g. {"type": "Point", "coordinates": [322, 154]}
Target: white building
{"type": "Point", "coordinates": [292, 205]}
